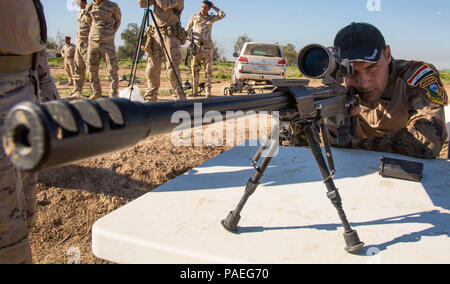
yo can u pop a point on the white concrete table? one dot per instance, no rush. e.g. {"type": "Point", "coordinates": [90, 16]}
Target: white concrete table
{"type": "Point", "coordinates": [289, 219]}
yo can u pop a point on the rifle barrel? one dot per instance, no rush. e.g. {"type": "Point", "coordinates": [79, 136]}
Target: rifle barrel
{"type": "Point", "coordinates": [53, 134]}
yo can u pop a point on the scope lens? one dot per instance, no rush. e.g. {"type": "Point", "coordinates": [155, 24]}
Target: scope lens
{"type": "Point", "coordinates": [315, 62]}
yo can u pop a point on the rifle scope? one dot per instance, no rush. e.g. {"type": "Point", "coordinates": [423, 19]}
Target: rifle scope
{"type": "Point", "coordinates": [318, 62]}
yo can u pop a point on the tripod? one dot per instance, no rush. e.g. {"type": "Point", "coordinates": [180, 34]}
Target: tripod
{"type": "Point", "coordinates": [353, 244]}
{"type": "Point", "coordinates": [145, 23]}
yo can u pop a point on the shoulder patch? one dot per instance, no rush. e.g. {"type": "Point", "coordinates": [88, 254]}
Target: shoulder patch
{"type": "Point", "coordinates": [434, 89]}
{"type": "Point", "coordinates": [423, 72]}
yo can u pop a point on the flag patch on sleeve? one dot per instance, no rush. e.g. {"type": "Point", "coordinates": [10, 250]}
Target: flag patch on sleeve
{"type": "Point", "coordinates": [419, 75]}
{"type": "Point", "coordinates": [435, 90]}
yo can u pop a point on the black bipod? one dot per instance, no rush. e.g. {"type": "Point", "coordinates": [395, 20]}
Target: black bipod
{"type": "Point", "coordinates": [353, 244]}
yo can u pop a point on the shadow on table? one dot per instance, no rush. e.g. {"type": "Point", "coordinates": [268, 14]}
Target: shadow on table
{"type": "Point", "coordinates": [440, 226]}
{"type": "Point", "coordinates": [302, 168]}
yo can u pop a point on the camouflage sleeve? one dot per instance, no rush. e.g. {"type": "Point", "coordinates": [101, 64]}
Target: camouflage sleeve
{"type": "Point", "coordinates": [190, 23]}
{"type": "Point", "coordinates": [117, 14]}
{"type": "Point", "coordinates": [168, 4]}
{"type": "Point", "coordinates": [219, 17]}
{"type": "Point", "coordinates": [424, 135]}
{"type": "Point", "coordinates": [47, 87]}
{"type": "Point", "coordinates": [63, 51]}
{"type": "Point", "coordinates": [143, 3]}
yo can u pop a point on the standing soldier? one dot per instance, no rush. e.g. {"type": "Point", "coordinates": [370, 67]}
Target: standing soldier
{"type": "Point", "coordinates": [201, 25]}
{"type": "Point", "coordinates": [104, 16]}
{"type": "Point", "coordinates": [24, 76]}
{"type": "Point", "coordinates": [81, 52]}
{"type": "Point", "coordinates": [167, 14]}
{"type": "Point", "coordinates": [68, 52]}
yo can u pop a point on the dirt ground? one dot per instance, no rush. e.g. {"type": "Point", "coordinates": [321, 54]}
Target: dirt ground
{"type": "Point", "coordinates": [71, 199]}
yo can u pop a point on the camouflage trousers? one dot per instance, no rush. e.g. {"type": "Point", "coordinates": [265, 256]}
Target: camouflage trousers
{"type": "Point", "coordinates": [81, 61]}
{"type": "Point", "coordinates": [204, 55]}
{"type": "Point", "coordinates": [153, 71]}
{"type": "Point", "coordinates": [47, 88]}
{"type": "Point", "coordinates": [69, 66]}
{"type": "Point", "coordinates": [17, 189]}
{"type": "Point", "coordinates": [96, 52]}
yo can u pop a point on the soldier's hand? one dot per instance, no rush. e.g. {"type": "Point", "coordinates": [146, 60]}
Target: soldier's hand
{"type": "Point", "coordinates": [355, 111]}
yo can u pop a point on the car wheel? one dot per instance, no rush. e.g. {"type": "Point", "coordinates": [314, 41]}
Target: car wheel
{"type": "Point", "coordinates": [226, 91]}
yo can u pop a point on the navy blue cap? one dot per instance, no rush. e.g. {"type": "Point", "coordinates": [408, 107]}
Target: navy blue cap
{"type": "Point", "coordinates": [360, 42]}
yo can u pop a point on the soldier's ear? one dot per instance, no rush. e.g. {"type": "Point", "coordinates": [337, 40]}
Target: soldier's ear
{"type": "Point", "coordinates": [387, 53]}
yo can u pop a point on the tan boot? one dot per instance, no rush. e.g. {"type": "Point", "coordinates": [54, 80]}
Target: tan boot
{"type": "Point", "coordinates": [75, 95]}
{"type": "Point", "coordinates": [150, 100]}
{"type": "Point", "coordinates": [95, 96]}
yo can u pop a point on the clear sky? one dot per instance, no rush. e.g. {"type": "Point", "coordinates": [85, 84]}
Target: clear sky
{"type": "Point", "coordinates": [414, 29]}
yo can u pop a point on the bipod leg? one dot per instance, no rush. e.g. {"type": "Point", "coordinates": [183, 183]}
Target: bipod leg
{"type": "Point", "coordinates": [232, 220]}
{"type": "Point", "coordinates": [353, 244]}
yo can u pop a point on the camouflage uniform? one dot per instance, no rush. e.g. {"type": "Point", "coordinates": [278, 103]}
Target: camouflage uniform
{"type": "Point", "coordinates": [202, 27]}
{"type": "Point", "coordinates": [409, 119]}
{"type": "Point", "coordinates": [68, 52]}
{"type": "Point", "coordinates": [104, 19]}
{"type": "Point", "coordinates": [20, 42]}
{"type": "Point", "coordinates": [47, 88]}
{"type": "Point", "coordinates": [167, 14]}
{"type": "Point", "coordinates": [81, 52]}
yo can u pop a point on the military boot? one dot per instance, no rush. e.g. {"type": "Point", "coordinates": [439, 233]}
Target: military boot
{"type": "Point", "coordinates": [150, 97]}
{"type": "Point", "coordinates": [75, 95]}
{"type": "Point", "coordinates": [150, 100]}
{"type": "Point", "coordinates": [95, 96]}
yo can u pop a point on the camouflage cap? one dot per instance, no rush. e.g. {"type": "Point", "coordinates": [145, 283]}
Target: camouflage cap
{"type": "Point", "coordinates": [360, 42]}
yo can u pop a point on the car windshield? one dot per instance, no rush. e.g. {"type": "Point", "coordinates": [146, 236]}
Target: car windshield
{"type": "Point", "coordinates": [262, 50]}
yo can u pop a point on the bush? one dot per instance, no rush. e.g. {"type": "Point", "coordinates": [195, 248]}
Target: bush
{"type": "Point", "coordinates": [445, 77]}
{"type": "Point", "coordinates": [222, 76]}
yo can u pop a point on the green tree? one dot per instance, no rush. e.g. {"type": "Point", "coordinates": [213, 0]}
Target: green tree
{"type": "Point", "coordinates": [241, 40]}
{"type": "Point", "coordinates": [290, 54]}
{"type": "Point", "coordinates": [218, 54]}
{"type": "Point", "coordinates": [130, 37]}
{"type": "Point", "coordinates": [51, 44]}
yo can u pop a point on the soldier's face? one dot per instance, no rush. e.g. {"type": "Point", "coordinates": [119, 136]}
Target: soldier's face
{"type": "Point", "coordinates": [204, 10]}
{"type": "Point", "coordinates": [370, 79]}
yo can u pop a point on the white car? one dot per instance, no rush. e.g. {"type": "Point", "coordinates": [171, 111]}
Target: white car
{"type": "Point", "coordinates": [259, 62]}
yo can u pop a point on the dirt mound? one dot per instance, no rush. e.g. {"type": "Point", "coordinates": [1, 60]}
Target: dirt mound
{"type": "Point", "coordinates": [71, 199]}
